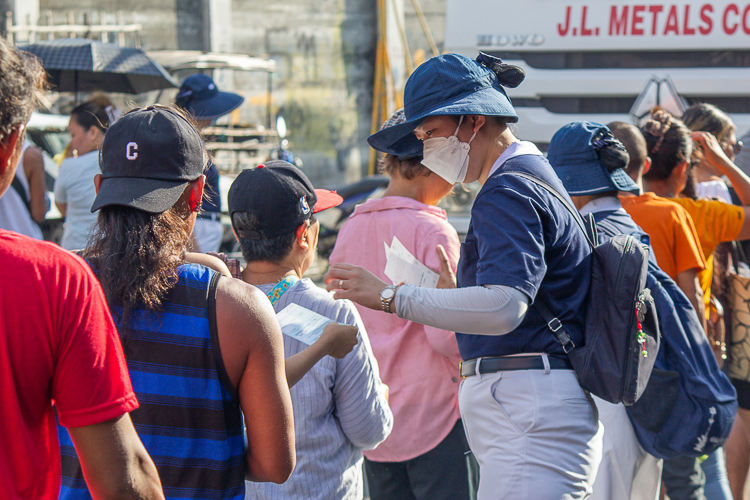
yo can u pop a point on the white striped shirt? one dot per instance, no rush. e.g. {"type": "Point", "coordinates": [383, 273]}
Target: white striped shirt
{"type": "Point", "coordinates": [339, 409]}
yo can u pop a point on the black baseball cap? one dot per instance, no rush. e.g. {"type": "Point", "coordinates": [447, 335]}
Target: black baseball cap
{"type": "Point", "coordinates": [279, 196]}
{"type": "Point", "coordinates": [148, 158]}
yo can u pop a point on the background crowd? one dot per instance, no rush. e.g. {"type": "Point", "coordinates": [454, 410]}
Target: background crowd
{"type": "Point", "coordinates": [136, 362]}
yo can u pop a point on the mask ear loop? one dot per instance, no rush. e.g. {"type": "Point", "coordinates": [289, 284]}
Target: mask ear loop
{"type": "Point", "coordinates": [459, 125]}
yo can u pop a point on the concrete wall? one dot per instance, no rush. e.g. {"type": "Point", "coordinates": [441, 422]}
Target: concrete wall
{"type": "Point", "coordinates": [325, 53]}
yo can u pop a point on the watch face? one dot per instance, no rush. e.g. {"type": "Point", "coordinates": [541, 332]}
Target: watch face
{"type": "Point", "coordinates": [387, 293]}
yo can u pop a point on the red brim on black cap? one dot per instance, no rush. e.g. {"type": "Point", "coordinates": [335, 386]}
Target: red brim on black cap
{"type": "Point", "coordinates": [326, 199]}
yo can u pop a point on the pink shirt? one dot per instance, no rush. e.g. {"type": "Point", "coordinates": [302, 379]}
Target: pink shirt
{"type": "Point", "coordinates": [418, 363]}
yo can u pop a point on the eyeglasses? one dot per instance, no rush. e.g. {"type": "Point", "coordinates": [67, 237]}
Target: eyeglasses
{"type": "Point", "coordinates": [736, 147]}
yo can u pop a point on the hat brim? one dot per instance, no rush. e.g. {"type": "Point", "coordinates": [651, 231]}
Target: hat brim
{"type": "Point", "coordinates": [400, 141]}
{"type": "Point", "coordinates": [326, 199]}
{"type": "Point", "coordinates": [216, 106]}
{"type": "Point", "coordinates": [580, 181]}
{"type": "Point", "coordinates": [150, 195]}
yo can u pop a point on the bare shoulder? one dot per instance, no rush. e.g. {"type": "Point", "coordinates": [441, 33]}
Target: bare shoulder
{"type": "Point", "coordinates": [33, 159]}
{"type": "Point", "coordinates": [243, 308]}
{"type": "Point", "coordinates": [210, 261]}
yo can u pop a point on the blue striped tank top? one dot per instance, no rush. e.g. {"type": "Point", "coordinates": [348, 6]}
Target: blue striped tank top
{"type": "Point", "coordinates": [189, 418]}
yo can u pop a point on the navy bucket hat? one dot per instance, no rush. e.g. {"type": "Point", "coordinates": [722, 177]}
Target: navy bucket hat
{"type": "Point", "coordinates": [200, 97]}
{"type": "Point", "coordinates": [575, 154]}
{"type": "Point", "coordinates": [449, 84]}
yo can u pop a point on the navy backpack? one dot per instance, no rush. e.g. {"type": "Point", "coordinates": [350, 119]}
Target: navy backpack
{"type": "Point", "coordinates": [689, 405]}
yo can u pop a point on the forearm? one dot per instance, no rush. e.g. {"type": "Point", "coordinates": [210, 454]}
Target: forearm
{"type": "Point", "coordinates": [740, 181]}
{"type": "Point", "coordinates": [62, 207]}
{"type": "Point", "coordinates": [114, 462]}
{"type": "Point", "coordinates": [480, 310]}
{"type": "Point", "coordinates": [688, 283]}
{"type": "Point", "coordinates": [299, 364]}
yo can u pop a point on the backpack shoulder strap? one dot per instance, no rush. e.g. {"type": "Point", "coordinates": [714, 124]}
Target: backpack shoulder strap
{"type": "Point", "coordinates": [554, 192]}
{"type": "Point", "coordinates": [18, 188]}
{"type": "Point", "coordinates": [214, 332]}
{"type": "Point", "coordinates": [541, 304]}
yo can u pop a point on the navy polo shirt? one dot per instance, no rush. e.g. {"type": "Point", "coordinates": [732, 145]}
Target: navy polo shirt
{"type": "Point", "coordinates": [212, 201]}
{"type": "Point", "coordinates": [521, 236]}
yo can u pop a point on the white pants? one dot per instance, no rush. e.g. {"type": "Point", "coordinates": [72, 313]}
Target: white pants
{"type": "Point", "coordinates": [208, 234]}
{"type": "Point", "coordinates": [626, 472]}
{"type": "Point", "coordinates": [536, 435]}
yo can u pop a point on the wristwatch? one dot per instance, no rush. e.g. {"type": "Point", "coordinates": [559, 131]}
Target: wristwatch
{"type": "Point", "coordinates": [386, 297]}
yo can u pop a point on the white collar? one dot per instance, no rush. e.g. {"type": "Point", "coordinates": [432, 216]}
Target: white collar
{"type": "Point", "coordinates": [516, 149]}
{"type": "Point", "coordinates": [606, 204]}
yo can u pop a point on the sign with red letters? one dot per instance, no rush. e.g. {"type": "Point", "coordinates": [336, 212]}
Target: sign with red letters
{"type": "Point", "coordinates": [562, 25]}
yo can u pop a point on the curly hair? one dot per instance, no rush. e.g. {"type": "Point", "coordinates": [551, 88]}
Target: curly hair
{"type": "Point", "coordinates": [136, 254]}
{"type": "Point", "coordinates": [669, 144]}
{"type": "Point", "coordinates": [21, 78]}
{"type": "Point", "coordinates": [408, 168]}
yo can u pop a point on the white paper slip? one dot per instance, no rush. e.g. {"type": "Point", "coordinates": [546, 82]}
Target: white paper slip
{"type": "Point", "coordinates": [302, 323]}
{"type": "Point", "coordinates": [402, 267]}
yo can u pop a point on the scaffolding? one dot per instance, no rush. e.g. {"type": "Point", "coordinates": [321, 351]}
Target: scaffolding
{"type": "Point", "coordinates": [31, 31]}
{"type": "Point", "coordinates": [386, 97]}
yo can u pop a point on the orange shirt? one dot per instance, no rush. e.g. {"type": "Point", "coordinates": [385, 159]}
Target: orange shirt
{"type": "Point", "coordinates": [716, 222]}
{"type": "Point", "coordinates": [674, 239]}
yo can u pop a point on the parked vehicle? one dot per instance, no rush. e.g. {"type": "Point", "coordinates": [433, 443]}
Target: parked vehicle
{"type": "Point", "coordinates": [589, 60]}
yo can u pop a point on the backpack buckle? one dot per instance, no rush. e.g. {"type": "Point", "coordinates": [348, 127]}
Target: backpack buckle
{"type": "Point", "coordinates": [554, 325]}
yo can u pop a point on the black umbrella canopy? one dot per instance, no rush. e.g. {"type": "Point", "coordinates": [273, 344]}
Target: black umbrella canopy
{"type": "Point", "coordinates": [80, 64]}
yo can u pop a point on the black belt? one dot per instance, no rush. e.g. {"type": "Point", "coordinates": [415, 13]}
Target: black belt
{"type": "Point", "coordinates": [210, 216]}
{"type": "Point", "coordinates": [506, 364]}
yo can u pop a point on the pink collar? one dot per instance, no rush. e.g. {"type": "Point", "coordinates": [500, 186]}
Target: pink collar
{"type": "Point", "coordinates": [397, 202]}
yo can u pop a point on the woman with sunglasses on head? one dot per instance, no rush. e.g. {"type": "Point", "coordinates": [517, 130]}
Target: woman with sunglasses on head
{"type": "Point", "coordinates": [532, 428]}
{"type": "Point", "coordinates": [74, 186]}
{"type": "Point", "coordinates": [715, 135]}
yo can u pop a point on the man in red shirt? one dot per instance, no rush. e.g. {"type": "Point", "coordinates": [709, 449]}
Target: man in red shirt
{"type": "Point", "coordinates": [58, 345]}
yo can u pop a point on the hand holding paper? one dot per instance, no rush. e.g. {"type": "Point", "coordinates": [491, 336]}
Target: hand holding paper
{"type": "Point", "coordinates": [402, 267]}
{"type": "Point", "coordinates": [301, 323]}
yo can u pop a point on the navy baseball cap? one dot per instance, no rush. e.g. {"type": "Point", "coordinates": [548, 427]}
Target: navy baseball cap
{"type": "Point", "coordinates": [574, 154]}
{"type": "Point", "coordinates": [200, 97]}
{"type": "Point", "coordinates": [279, 196]}
{"type": "Point", "coordinates": [148, 158]}
{"type": "Point", "coordinates": [450, 84]}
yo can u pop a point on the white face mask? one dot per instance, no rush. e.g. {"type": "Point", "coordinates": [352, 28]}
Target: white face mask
{"type": "Point", "coordinates": [447, 156]}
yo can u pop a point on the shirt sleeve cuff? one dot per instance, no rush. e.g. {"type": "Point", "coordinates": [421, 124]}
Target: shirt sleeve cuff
{"type": "Point", "coordinates": [98, 414]}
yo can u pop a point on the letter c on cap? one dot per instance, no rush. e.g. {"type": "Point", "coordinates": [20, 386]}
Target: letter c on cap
{"type": "Point", "coordinates": [131, 151]}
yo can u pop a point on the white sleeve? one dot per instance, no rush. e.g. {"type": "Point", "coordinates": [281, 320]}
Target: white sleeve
{"type": "Point", "coordinates": [480, 310]}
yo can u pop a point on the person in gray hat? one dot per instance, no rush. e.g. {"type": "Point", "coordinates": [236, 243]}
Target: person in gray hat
{"type": "Point", "coordinates": [591, 163]}
{"type": "Point", "coordinates": [424, 458]}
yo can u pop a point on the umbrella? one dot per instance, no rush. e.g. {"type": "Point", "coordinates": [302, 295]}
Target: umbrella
{"type": "Point", "coordinates": [80, 64]}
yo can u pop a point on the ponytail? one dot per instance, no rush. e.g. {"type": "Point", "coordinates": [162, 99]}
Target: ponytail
{"type": "Point", "coordinates": [507, 74]}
